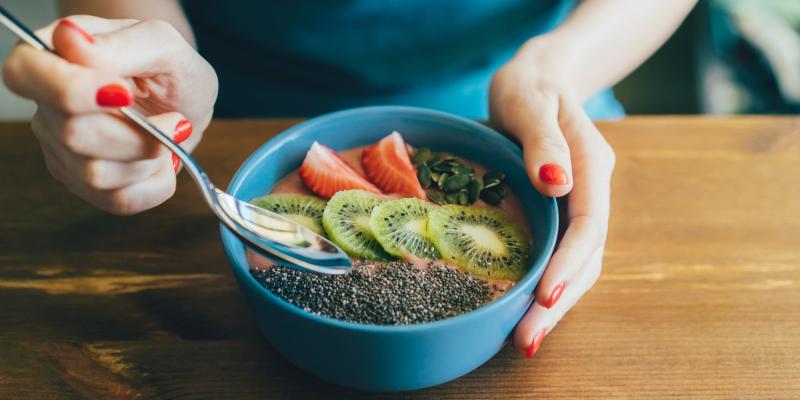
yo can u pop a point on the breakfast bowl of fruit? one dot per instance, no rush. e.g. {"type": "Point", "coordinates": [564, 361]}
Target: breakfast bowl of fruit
{"type": "Point", "coordinates": [447, 234]}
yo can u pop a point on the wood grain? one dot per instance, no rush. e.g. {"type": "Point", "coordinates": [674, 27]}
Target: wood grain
{"type": "Point", "coordinates": [699, 297]}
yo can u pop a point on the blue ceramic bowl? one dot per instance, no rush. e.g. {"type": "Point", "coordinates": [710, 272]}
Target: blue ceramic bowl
{"type": "Point", "coordinates": [390, 358]}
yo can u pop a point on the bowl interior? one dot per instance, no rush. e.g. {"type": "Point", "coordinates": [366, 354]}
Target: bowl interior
{"type": "Point", "coordinates": [436, 130]}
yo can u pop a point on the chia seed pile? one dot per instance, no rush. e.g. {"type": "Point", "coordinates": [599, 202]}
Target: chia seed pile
{"type": "Point", "coordinates": [395, 293]}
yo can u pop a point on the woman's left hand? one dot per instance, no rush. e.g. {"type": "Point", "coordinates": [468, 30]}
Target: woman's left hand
{"type": "Point", "coordinates": [565, 155]}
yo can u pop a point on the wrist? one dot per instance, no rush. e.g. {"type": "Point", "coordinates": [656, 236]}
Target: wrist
{"type": "Point", "coordinates": [550, 58]}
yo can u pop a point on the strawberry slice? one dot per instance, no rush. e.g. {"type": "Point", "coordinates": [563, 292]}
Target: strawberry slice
{"type": "Point", "coordinates": [325, 173]}
{"type": "Point", "coordinates": [388, 166]}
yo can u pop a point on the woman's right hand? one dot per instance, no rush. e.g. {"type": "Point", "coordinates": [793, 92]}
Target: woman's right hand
{"type": "Point", "coordinates": [103, 65]}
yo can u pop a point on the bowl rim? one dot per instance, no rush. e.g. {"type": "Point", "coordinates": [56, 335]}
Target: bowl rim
{"type": "Point", "coordinates": [231, 243]}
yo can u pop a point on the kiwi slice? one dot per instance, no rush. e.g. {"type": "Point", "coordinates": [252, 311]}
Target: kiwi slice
{"type": "Point", "coordinates": [401, 228]}
{"type": "Point", "coordinates": [346, 219]}
{"type": "Point", "coordinates": [305, 210]}
{"type": "Point", "coordinates": [481, 241]}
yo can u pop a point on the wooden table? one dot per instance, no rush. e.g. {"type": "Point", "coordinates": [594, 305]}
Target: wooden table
{"type": "Point", "coordinates": [700, 297]}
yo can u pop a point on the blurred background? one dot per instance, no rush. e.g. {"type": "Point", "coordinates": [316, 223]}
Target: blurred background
{"type": "Point", "coordinates": [729, 56]}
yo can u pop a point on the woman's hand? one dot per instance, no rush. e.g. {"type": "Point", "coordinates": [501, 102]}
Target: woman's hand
{"type": "Point", "coordinates": [565, 155]}
{"type": "Point", "coordinates": [103, 65]}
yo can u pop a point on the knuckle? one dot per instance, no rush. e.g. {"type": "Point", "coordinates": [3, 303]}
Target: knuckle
{"type": "Point", "coordinates": [605, 158]}
{"type": "Point", "coordinates": [163, 28]}
{"type": "Point", "coordinates": [74, 137]}
{"type": "Point", "coordinates": [65, 83]}
{"type": "Point", "coordinates": [170, 191]}
{"type": "Point", "coordinates": [596, 228]}
{"type": "Point", "coordinates": [516, 101]}
{"type": "Point", "coordinates": [551, 141]}
{"type": "Point", "coordinates": [11, 70]}
{"type": "Point", "coordinates": [62, 96]}
{"type": "Point", "coordinates": [609, 155]}
{"type": "Point", "coordinates": [127, 202]}
{"type": "Point", "coordinates": [120, 202]}
{"type": "Point", "coordinates": [95, 175]}
{"type": "Point", "coordinates": [596, 273]}
{"type": "Point", "coordinates": [500, 77]}
{"type": "Point", "coordinates": [605, 148]}
{"type": "Point", "coordinates": [599, 230]}
{"type": "Point", "coordinates": [38, 125]}
{"type": "Point", "coordinates": [611, 158]}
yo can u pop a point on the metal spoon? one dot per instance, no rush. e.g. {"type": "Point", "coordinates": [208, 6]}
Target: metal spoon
{"type": "Point", "coordinates": [271, 234]}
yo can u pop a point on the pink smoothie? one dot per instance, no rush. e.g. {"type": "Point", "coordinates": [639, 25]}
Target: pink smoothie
{"type": "Point", "coordinates": [510, 205]}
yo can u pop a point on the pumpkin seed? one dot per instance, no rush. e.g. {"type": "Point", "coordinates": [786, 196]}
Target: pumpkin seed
{"type": "Point", "coordinates": [490, 197]}
{"type": "Point", "coordinates": [451, 198]}
{"type": "Point", "coordinates": [490, 183]}
{"type": "Point", "coordinates": [435, 197]}
{"type": "Point", "coordinates": [424, 176]}
{"type": "Point", "coordinates": [473, 190]}
{"type": "Point", "coordinates": [494, 176]}
{"type": "Point", "coordinates": [422, 155]}
{"type": "Point", "coordinates": [434, 161]}
{"type": "Point", "coordinates": [435, 176]}
{"type": "Point", "coordinates": [463, 197]}
{"type": "Point", "coordinates": [442, 167]}
{"type": "Point", "coordinates": [441, 180]}
{"type": "Point", "coordinates": [501, 190]}
{"type": "Point", "coordinates": [456, 182]}
{"type": "Point", "coordinates": [463, 170]}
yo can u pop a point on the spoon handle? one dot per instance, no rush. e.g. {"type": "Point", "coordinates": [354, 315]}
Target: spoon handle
{"type": "Point", "coordinates": [22, 31]}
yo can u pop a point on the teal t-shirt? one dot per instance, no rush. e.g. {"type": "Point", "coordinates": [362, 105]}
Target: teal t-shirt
{"type": "Point", "coordinates": [299, 58]}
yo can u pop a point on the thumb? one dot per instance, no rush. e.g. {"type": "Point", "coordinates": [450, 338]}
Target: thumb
{"type": "Point", "coordinates": [547, 155]}
{"type": "Point", "coordinates": [74, 39]}
{"type": "Point", "coordinates": [72, 42]}
{"type": "Point", "coordinates": [124, 47]}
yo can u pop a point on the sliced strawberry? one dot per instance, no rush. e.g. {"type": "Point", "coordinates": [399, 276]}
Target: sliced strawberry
{"type": "Point", "coordinates": [388, 166]}
{"type": "Point", "coordinates": [325, 173]}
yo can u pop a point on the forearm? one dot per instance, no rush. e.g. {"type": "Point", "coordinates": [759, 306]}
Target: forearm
{"type": "Point", "coordinates": [604, 40]}
{"type": "Point", "coordinates": [167, 10]}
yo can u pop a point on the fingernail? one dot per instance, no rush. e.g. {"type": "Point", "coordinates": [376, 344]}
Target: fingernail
{"type": "Point", "coordinates": [182, 131]}
{"type": "Point", "coordinates": [555, 295]}
{"type": "Point", "coordinates": [553, 174]}
{"type": "Point", "coordinates": [176, 162]}
{"type": "Point", "coordinates": [69, 24]}
{"type": "Point", "coordinates": [537, 341]}
{"type": "Point", "coordinates": [114, 95]}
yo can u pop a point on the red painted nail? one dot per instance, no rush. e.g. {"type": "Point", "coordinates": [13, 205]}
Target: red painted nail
{"type": "Point", "coordinates": [553, 174]}
{"type": "Point", "coordinates": [114, 95]}
{"type": "Point", "coordinates": [69, 24]}
{"type": "Point", "coordinates": [537, 341]}
{"type": "Point", "coordinates": [176, 162]}
{"type": "Point", "coordinates": [182, 131]}
{"type": "Point", "coordinates": [555, 295]}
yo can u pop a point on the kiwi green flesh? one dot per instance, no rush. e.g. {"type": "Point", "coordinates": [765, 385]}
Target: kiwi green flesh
{"type": "Point", "coordinates": [401, 228]}
{"type": "Point", "coordinates": [305, 210]}
{"type": "Point", "coordinates": [481, 241]}
{"type": "Point", "coordinates": [346, 220]}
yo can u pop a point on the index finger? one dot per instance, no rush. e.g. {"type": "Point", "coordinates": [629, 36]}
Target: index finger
{"type": "Point", "coordinates": [45, 77]}
{"type": "Point", "coordinates": [589, 202]}
{"type": "Point", "coordinates": [593, 162]}
{"type": "Point", "coordinates": [90, 24]}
